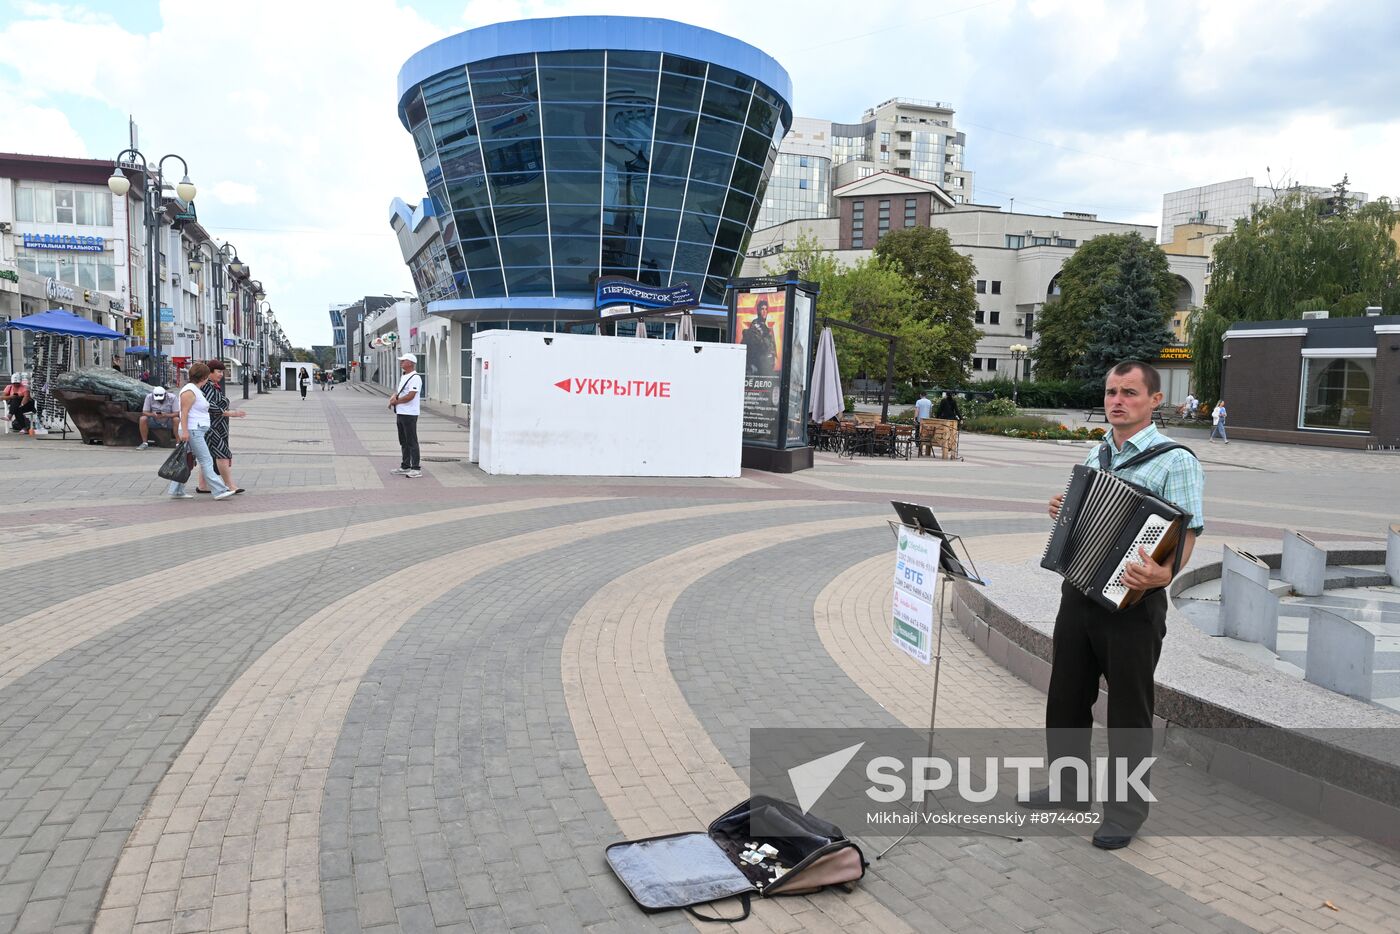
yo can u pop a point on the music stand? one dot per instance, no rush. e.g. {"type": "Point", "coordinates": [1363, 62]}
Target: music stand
{"type": "Point", "coordinates": [921, 519]}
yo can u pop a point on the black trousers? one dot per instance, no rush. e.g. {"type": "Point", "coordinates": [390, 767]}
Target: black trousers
{"type": "Point", "coordinates": [408, 441]}
{"type": "Point", "coordinates": [1123, 647]}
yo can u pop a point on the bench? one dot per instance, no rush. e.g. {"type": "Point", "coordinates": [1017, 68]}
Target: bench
{"type": "Point", "coordinates": [1159, 414]}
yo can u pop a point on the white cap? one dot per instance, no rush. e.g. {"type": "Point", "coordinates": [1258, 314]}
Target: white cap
{"type": "Point", "coordinates": [409, 357]}
{"type": "Point", "coordinates": [158, 392]}
{"type": "Point", "coordinates": [15, 377]}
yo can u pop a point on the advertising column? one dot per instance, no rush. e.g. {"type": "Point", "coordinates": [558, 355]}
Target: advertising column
{"type": "Point", "coordinates": [772, 318]}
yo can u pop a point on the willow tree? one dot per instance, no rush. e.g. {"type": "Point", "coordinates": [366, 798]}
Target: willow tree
{"type": "Point", "coordinates": [1298, 254]}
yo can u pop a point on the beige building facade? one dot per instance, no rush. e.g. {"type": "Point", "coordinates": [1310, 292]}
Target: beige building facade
{"type": "Point", "coordinates": [1018, 258]}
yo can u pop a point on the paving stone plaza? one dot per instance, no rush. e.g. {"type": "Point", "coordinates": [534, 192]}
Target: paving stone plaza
{"type": "Point", "coordinates": [347, 700]}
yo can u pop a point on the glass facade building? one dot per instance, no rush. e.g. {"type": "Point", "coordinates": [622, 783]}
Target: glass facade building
{"type": "Point", "coordinates": [558, 150]}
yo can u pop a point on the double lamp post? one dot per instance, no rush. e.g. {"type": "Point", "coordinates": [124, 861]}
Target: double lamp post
{"type": "Point", "coordinates": [154, 197]}
{"type": "Point", "coordinates": [153, 191]}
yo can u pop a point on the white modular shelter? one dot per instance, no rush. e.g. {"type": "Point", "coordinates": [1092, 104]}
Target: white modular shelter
{"type": "Point", "coordinates": [290, 370]}
{"type": "Point", "coordinates": [584, 405]}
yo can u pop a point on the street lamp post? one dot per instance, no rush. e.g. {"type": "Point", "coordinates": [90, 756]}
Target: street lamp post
{"type": "Point", "coordinates": [153, 191]}
{"type": "Point", "coordinates": [219, 256]}
{"type": "Point", "coordinates": [263, 315]}
{"type": "Point", "coordinates": [1018, 353]}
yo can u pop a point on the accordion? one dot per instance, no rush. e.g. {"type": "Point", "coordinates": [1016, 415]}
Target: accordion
{"type": "Point", "coordinates": [1102, 523]}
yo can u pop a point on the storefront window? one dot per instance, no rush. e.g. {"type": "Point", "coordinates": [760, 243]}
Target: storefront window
{"type": "Point", "coordinates": [1337, 393]}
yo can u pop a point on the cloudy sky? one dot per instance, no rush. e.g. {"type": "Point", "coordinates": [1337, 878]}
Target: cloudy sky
{"type": "Point", "coordinates": [286, 110]}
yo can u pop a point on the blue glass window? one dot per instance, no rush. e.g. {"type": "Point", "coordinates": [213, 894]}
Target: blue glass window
{"type": "Point", "coordinates": [570, 84]}
{"type": "Point", "coordinates": [518, 219]}
{"type": "Point", "coordinates": [712, 167]}
{"type": "Point", "coordinates": [447, 92]}
{"type": "Point", "coordinates": [449, 131]}
{"type": "Point", "coordinates": [574, 120]}
{"type": "Point", "coordinates": [677, 126]}
{"type": "Point", "coordinates": [576, 279]}
{"type": "Point", "coordinates": [667, 193]}
{"type": "Point", "coordinates": [508, 122]}
{"type": "Point", "coordinates": [574, 251]}
{"type": "Point", "coordinates": [565, 153]}
{"type": "Point", "coordinates": [461, 161]}
{"type": "Point", "coordinates": [576, 188]}
{"type": "Point", "coordinates": [507, 88]}
{"type": "Point", "coordinates": [574, 219]}
{"type": "Point", "coordinates": [472, 225]}
{"type": "Point", "coordinates": [670, 159]}
{"type": "Point", "coordinates": [705, 199]}
{"type": "Point", "coordinates": [513, 155]}
{"type": "Point", "coordinates": [661, 224]}
{"type": "Point", "coordinates": [518, 188]}
{"type": "Point", "coordinates": [536, 281]}
{"type": "Point", "coordinates": [680, 92]}
{"type": "Point", "coordinates": [719, 135]}
{"type": "Point", "coordinates": [468, 193]}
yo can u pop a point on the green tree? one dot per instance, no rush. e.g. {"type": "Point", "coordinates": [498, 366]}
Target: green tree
{"type": "Point", "coordinates": [302, 355]}
{"type": "Point", "coordinates": [944, 301]}
{"type": "Point", "coordinates": [1297, 254]}
{"type": "Point", "coordinates": [1088, 282]}
{"type": "Point", "coordinates": [1129, 325]}
{"type": "Point", "coordinates": [812, 262]}
{"type": "Point", "coordinates": [875, 295]}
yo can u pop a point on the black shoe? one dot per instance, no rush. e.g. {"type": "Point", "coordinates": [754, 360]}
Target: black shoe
{"type": "Point", "coordinates": [1040, 801]}
{"type": "Point", "coordinates": [1111, 836]}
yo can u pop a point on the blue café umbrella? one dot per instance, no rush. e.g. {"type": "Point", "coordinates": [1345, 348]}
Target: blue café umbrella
{"type": "Point", "coordinates": [58, 321]}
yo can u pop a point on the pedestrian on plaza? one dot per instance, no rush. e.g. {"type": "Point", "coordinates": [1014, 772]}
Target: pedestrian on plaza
{"type": "Point", "coordinates": [1217, 422]}
{"type": "Point", "coordinates": [193, 427]}
{"type": "Point", "coordinates": [1192, 404]}
{"type": "Point", "coordinates": [1122, 647]}
{"type": "Point", "coordinates": [19, 403]}
{"type": "Point", "coordinates": [158, 409]}
{"type": "Point", "coordinates": [405, 403]}
{"type": "Point", "coordinates": [217, 437]}
{"type": "Point", "coordinates": [116, 363]}
{"type": "Point", "coordinates": [948, 407]}
{"type": "Point", "coordinates": [923, 411]}
{"type": "Point", "coordinates": [303, 380]}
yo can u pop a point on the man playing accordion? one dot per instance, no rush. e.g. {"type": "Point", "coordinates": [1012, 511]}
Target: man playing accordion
{"type": "Point", "coordinates": [1122, 646]}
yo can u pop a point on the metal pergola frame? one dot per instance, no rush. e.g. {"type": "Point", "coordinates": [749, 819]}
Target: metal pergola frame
{"type": "Point", "coordinates": [891, 341]}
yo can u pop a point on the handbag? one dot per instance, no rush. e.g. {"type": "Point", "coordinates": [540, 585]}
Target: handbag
{"type": "Point", "coordinates": [177, 466]}
{"type": "Point", "coordinates": [798, 854]}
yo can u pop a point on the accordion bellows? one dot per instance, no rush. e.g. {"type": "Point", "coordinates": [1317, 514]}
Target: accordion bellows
{"type": "Point", "coordinates": [1103, 521]}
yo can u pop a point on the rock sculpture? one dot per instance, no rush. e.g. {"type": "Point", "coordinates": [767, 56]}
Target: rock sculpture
{"type": "Point", "coordinates": [105, 406]}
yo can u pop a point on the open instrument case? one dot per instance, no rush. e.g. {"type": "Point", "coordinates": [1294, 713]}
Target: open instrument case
{"type": "Point", "coordinates": [682, 870]}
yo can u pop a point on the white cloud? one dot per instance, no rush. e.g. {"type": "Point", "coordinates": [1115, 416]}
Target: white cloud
{"type": "Point", "coordinates": [229, 193]}
{"type": "Point", "coordinates": [40, 131]}
{"type": "Point", "coordinates": [286, 112]}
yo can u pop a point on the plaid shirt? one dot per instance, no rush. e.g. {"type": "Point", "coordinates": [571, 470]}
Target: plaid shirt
{"type": "Point", "coordinates": [1175, 476]}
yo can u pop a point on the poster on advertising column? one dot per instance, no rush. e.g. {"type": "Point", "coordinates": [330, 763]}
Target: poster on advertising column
{"type": "Point", "coordinates": [759, 327]}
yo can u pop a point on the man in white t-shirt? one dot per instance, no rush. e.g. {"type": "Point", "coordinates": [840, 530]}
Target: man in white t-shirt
{"type": "Point", "coordinates": [405, 403]}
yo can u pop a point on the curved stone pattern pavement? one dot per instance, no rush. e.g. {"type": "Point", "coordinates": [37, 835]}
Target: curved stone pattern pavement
{"type": "Point", "coordinates": [349, 701]}
{"type": "Point", "coordinates": [267, 746]}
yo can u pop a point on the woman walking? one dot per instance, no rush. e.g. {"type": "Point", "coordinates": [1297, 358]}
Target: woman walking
{"type": "Point", "coordinates": [303, 380]}
{"type": "Point", "coordinates": [217, 437]}
{"type": "Point", "coordinates": [193, 427]}
{"type": "Point", "coordinates": [1217, 422]}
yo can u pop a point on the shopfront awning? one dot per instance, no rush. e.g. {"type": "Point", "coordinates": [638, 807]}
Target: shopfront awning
{"type": "Point", "coordinates": [57, 321]}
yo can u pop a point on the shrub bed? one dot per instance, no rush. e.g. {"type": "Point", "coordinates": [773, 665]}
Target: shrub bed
{"type": "Point", "coordinates": [1036, 427]}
